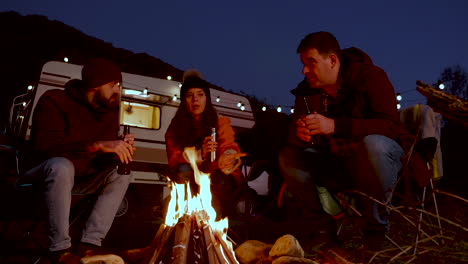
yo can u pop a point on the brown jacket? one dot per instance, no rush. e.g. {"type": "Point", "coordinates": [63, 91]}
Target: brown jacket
{"type": "Point", "coordinates": [65, 125]}
{"type": "Point", "coordinates": [365, 103]}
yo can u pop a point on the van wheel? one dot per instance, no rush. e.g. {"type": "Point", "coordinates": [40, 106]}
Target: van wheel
{"type": "Point", "coordinates": [246, 202]}
{"type": "Point", "coordinates": [123, 208]}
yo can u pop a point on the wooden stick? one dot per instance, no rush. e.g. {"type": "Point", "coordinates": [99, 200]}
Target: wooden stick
{"type": "Point", "coordinates": [212, 257]}
{"type": "Point", "coordinates": [227, 251]}
{"type": "Point", "coordinates": [159, 247]}
{"type": "Point", "coordinates": [198, 247]}
{"type": "Point", "coordinates": [154, 243]}
{"type": "Point", "coordinates": [217, 247]}
{"type": "Point", "coordinates": [181, 240]}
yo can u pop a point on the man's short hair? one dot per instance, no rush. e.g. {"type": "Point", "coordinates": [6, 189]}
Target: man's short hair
{"type": "Point", "coordinates": [324, 42]}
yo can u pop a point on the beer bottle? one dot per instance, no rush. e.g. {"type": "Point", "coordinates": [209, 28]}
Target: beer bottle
{"type": "Point", "coordinates": [124, 168]}
{"type": "Point", "coordinates": [213, 138]}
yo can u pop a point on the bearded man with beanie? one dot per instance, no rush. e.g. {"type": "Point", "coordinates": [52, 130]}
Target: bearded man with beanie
{"type": "Point", "coordinates": [75, 137]}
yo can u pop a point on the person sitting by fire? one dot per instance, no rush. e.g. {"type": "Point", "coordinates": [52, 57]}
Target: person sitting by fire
{"type": "Point", "coordinates": [77, 146]}
{"type": "Point", "coordinates": [343, 136]}
{"type": "Point", "coordinates": [192, 126]}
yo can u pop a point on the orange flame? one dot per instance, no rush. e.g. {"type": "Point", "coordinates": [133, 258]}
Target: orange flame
{"type": "Point", "coordinates": [182, 202]}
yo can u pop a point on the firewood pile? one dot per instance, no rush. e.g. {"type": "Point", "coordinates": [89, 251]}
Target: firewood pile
{"type": "Point", "coordinates": [449, 106]}
{"type": "Point", "coordinates": [191, 240]}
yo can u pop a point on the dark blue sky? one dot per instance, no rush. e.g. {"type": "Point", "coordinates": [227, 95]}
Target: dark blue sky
{"type": "Point", "coordinates": [250, 45]}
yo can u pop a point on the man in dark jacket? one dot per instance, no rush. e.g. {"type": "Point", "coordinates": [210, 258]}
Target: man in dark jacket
{"type": "Point", "coordinates": [342, 135]}
{"type": "Point", "coordinates": [75, 135]}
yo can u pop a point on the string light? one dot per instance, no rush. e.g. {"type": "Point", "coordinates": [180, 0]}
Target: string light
{"type": "Point", "coordinates": [218, 99]}
{"type": "Point", "coordinates": [174, 98]}
{"type": "Point", "coordinates": [292, 110]}
{"type": "Point", "coordinates": [239, 104]}
{"type": "Point", "coordinates": [169, 77]}
{"type": "Point", "coordinates": [145, 91]}
{"type": "Point", "coordinates": [30, 87]}
{"type": "Point", "coordinates": [398, 106]}
{"type": "Point", "coordinates": [279, 109]}
{"type": "Point", "coordinates": [441, 86]}
{"type": "Point", "coordinates": [242, 107]}
{"type": "Point", "coordinates": [180, 85]}
{"type": "Point", "coordinates": [398, 97]}
{"type": "Point", "coordinates": [65, 59]}
{"type": "Point", "coordinates": [263, 108]}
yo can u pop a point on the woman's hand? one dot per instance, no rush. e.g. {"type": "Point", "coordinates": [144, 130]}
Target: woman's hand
{"type": "Point", "coordinates": [208, 146]}
{"type": "Point", "coordinates": [229, 161]}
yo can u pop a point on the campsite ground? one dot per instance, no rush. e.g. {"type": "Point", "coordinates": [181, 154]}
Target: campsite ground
{"type": "Point", "coordinates": [136, 228]}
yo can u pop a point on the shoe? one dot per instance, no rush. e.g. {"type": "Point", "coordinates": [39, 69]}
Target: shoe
{"type": "Point", "coordinates": [65, 256]}
{"type": "Point", "coordinates": [85, 250]}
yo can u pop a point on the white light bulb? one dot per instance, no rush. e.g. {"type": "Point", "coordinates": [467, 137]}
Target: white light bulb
{"type": "Point", "coordinates": [239, 104]}
{"type": "Point", "coordinates": [30, 87]}
{"type": "Point", "coordinates": [174, 98]}
{"type": "Point", "coordinates": [218, 99]}
{"type": "Point", "coordinates": [398, 106]}
{"type": "Point", "coordinates": [169, 77]}
{"type": "Point", "coordinates": [292, 110]}
{"type": "Point", "coordinates": [441, 86]}
{"type": "Point", "coordinates": [65, 59]}
{"type": "Point", "coordinates": [264, 108]}
{"type": "Point", "coordinates": [279, 109]}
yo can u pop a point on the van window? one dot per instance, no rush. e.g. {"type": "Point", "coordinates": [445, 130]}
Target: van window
{"type": "Point", "coordinates": [140, 115]}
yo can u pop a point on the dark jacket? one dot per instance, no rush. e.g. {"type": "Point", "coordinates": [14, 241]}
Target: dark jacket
{"type": "Point", "coordinates": [65, 125]}
{"type": "Point", "coordinates": [365, 102]}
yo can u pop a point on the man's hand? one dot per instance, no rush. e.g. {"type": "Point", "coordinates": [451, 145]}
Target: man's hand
{"type": "Point", "coordinates": [314, 124]}
{"type": "Point", "coordinates": [130, 139]}
{"type": "Point", "coordinates": [208, 146]}
{"type": "Point", "coordinates": [120, 147]}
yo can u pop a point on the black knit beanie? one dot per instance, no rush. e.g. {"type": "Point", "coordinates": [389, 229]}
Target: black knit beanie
{"type": "Point", "coordinates": [193, 80]}
{"type": "Point", "coordinates": [99, 71]}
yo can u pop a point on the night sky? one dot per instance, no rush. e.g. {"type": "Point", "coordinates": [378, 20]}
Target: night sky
{"type": "Point", "coordinates": [250, 46]}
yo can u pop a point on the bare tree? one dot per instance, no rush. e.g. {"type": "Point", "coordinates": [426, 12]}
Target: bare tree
{"type": "Point", "coordinates": [455, 79]}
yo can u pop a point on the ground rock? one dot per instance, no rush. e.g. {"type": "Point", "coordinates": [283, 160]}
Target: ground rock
{"type": "Point", "coordinates": [287, 245]}
{"type": "Point", "coordinates": [293, 260]}
{"type": "Point", "coordinates": [251, 251]}
{"type": "Point", "coordinates": [102, 259]}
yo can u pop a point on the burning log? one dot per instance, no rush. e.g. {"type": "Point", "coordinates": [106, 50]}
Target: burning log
{"type": "Point", "coordinates": [228, 251]}
{"type": "Point", "coordinates": [181, 240]}
{"type": "Point", "coordinates": [210, 247]}
{"type": "Point", "coordinates": [190, 233]}
{"type": "Point", "coordinates": [198, 246]}
{"type": "Point", "coordinates": [161, 242]}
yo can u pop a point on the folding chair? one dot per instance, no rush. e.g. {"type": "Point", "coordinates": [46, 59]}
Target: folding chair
{"type": "Point", "coordinates": [424, 124]}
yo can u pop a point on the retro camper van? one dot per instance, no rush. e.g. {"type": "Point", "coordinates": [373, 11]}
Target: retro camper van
{"type": "Point", "coordinates": [147, 104]}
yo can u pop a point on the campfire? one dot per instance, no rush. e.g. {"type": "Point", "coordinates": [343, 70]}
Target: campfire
{"type": "Point", "coordinates": [191, 233]}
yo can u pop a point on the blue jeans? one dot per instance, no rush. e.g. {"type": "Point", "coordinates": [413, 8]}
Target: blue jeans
{"type": "Point", "coordinates": [58, 176]}
{"type": "Point", "coordinates": [372, 168]}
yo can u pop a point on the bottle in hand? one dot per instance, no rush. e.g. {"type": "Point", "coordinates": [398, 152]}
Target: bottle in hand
{"type": "Point", "coordinates": [213, 138]}
{"type": "Point", "coordinates": [124, 168]}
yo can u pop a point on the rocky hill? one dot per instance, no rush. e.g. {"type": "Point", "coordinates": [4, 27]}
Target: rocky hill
{"type": "Point", "coordinates": [30, 41]}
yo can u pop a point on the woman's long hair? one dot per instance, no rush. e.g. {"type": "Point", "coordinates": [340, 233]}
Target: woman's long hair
{"type": "Point", "coordinates": [189, 132]}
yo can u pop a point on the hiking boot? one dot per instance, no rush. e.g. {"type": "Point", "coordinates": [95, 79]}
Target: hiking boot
{"type": "Point", "coordinates": [85, 250]}
{"type": "Point", "coordinates": [65, 256]}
